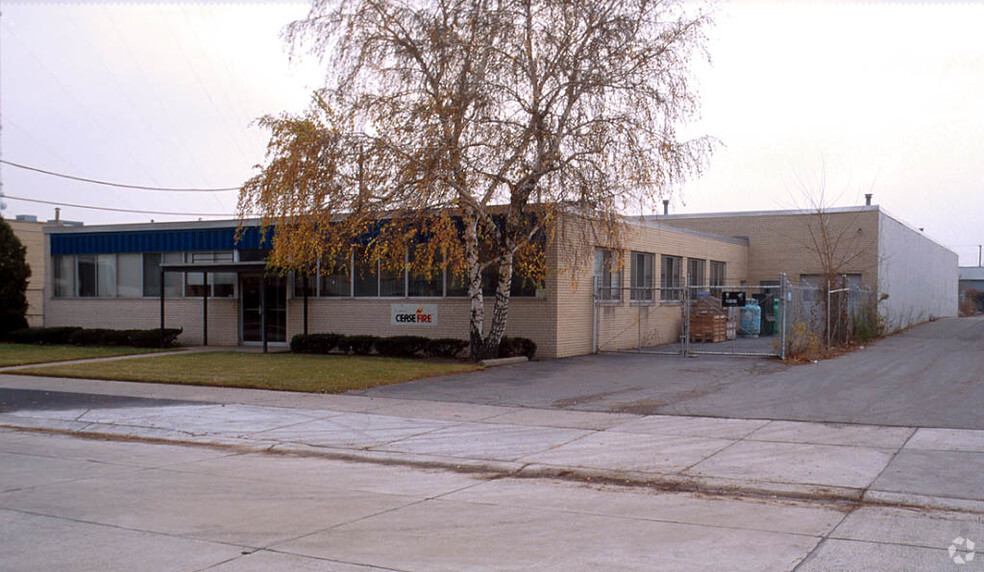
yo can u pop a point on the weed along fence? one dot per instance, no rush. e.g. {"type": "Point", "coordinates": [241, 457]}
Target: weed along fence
{"type": "Point", "coordinates": [770, 319]}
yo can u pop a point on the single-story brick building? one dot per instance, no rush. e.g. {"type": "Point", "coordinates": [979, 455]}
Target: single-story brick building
{"type": "Point", "coordinates": [214, 286]}
{"type": "Point", "coordinates": [110, 277]}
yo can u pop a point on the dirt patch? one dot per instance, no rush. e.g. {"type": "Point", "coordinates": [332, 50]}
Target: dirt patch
{"type": "Point", "coordinates": [640, 407]}
{"type": "Point", "coordinates": [595, 397]}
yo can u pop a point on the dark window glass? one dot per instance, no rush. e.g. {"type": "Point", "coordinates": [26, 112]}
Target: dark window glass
{"type": "Point", "coordinates": [86, 275]}
{"type": "Point", "coordinates": [670, 277]}
{"type": "Point", "coordinates": [336, 278]}
{"type": "Point", "coordinates": [608, 281]}
{"type": "Point", "coordinates": [366, 277]}
{"type": "Point", "coordinates": [152, 274]}
{"type": "Point", "coordinates": [642, 276]}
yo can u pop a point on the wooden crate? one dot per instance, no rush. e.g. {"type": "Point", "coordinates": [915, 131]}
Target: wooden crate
{"type": "Point", "coordinates": [708, 328]}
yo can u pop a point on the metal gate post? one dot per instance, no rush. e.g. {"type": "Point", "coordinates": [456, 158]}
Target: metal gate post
{"type": "Point", "coordinates": [784, 292]}
{"type": "Point", "coordinates": [686, 322]}
{"type": "Point", "coordinates": [594, 315]}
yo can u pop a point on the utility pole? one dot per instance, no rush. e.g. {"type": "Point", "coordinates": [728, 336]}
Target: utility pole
{"type": "Point", "coordinates": [979, 255]}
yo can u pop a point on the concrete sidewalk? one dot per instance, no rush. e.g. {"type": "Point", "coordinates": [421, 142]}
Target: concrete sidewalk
{"type": "Point", "coordinates": [939, 468]}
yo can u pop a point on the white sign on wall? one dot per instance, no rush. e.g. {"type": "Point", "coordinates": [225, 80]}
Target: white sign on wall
{"type": "Point", "coordinates": [417, 315]}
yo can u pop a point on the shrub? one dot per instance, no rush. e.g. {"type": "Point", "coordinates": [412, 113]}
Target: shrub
{"type": "Point", "coordinates": [401, 346]}
{"type": "Point", "coordinates": [100, 337]}
{"type": "Point", "coordinates": [445, 347]}
{"type": "Point", "coordinates": [314, 343]}
{"type": "Point", "coordinates": [152, 338]}
{"type": "Point", "coordinates": [512, 347]}
{"type": "Point", "coordinates": [94, 337]}
{"type": "Point", "coordinates": [360, 345]}
{"type": "Point", "coordinates": [50, 336]}
{"type": "Point", "coordinates": [868, 324]}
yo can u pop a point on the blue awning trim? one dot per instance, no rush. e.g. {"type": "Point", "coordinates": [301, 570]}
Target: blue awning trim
{"type": "Point", "coordinates": [166, 240]}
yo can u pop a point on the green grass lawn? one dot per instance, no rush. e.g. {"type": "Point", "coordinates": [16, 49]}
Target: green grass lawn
{"type": "Point", "coordinates": [288, 372]}
{"type": "Point", "coordinates": [20, 354]}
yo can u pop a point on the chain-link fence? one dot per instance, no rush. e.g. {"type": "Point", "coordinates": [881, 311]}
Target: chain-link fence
{"type": "Point", "coordinates": [768, 319]}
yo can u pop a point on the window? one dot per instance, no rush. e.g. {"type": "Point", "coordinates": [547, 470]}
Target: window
{"type": "Point", "coordinates": [392, 281]}
{"type": "Point", "coordinates": [425, 282]}
{"type": "Point", "coordinates": [524, 286]}
{"type": "Point", "coordinates": [366, 275]}
{"type": "Point", "coordinates": [129, 271]}
{"type": "Point", "coordinates": [64, 267]}
{"type": "Point", "coordinates": [312, 284]}
{"type": "Point", "coordinates": [336, 277]}
{"type": "Point", "coordinates": [456, 283]}
{"type": "Point", "coordinates": [642, 276]}
{"type": "Point", "coordinates": [719, 277]}
{"type": "Point", "coordinates": [152, 274]}
{"type": "Point", "coordinates": [106, 275]}
{"type": "Point", "coordinates": [608, 278]}
{"type": "Point", "coordinates": [86, 276]}
{"type": "Point", "coordinates": [670, 276]}
{"type": "Point", "coordinates": [695, 275]}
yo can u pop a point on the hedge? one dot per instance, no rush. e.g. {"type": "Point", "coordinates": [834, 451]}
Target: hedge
{"type": "Point", "coordinates": [93, 337]}
{"type": "Point", "coordinates": [445, 347]}
{"type": "Point", "coordinates": [360, 345]}
{"type": "Point", "coordinates": [401, 346]}
{"type": "Point", "coordinates": [314, 343]}
{"type": "Point", "coordinates": [512, 347]}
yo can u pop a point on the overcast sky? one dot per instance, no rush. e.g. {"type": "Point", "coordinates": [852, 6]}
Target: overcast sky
{"type": "Point", "coordinates": [879, 97]}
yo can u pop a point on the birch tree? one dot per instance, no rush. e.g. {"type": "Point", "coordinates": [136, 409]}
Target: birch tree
{"type": "Point", "coordinates": [469, 127]}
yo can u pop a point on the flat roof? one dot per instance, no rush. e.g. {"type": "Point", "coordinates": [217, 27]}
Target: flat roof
{"type": "Point", "coordinates": [646, 222]}
{"type": "Point", "coordinates": [972, 272]}
{"type": "Point", "coordinates": [142, 226]}
{"type": "Point", "coordinates": [796, 212]}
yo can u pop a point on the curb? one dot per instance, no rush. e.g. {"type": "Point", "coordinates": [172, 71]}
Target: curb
{"type": "Point", "coordinates": [509, 469]}
{"type": "Point", "coordinates": [503, 361]}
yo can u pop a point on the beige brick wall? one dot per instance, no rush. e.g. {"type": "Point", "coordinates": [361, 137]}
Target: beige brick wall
{"type": "Point", "coordinates": [782, 242]}
{"type": "Point", "coordinates": [144, 313]}
{"type": "Point", "coordinates": [372, 316]}
{"type": "Point", "coordinates": [560, 323]}
{"type": "Point", "coordinates": [622, 324]}
{"type": "Point", "coordinates": [31, 236]}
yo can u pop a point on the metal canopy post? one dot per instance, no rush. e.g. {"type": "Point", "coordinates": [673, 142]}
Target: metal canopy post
{"type": "Point", "coordinates": [162, 308]}
{"type": "Point", "coordinates": [305, 304]}
{"type": "Point", "coordinates": [263, 316]}
{"type": "Point", "coordinates": [205, 309]}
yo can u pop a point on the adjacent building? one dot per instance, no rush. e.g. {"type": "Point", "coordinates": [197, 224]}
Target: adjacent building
{"type": "Point", "coordinates": [913, 277]}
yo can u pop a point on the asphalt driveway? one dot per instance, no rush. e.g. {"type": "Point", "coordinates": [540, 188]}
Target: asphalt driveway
{"type": "Point", "coordinates": [929, 376]}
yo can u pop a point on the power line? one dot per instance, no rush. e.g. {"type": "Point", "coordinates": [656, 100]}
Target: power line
{"type": "Point", "coordinates": [58, 204]}
{"type": "Point", "coordinates": [121, 185]}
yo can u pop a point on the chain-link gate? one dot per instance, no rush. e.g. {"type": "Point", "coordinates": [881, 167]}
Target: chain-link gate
{"type": "Point", "coordinates": [725, 319]}
{"type": "Point", "coordinates": [772, 319]}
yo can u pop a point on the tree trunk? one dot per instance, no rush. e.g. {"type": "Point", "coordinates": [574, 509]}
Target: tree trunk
{"type": "Point", "coordinates": [477, 321]}
{"type": "Point", "coordinates": [500, 314]}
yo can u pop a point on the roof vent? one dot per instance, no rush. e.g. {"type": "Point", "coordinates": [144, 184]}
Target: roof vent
{"type": "Point", "coordinates": [867, 199]}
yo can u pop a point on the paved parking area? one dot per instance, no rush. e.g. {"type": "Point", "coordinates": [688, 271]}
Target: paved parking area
{"type": "Point", "coordinates": [929, 376]}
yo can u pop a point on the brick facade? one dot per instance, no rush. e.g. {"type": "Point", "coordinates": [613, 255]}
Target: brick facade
{"type": "Point", "coordinates": [560, 322]}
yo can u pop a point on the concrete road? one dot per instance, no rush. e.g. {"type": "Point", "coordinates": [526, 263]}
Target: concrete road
{"type": "Point", "coordinates": [68, 503]}
{"type": "Point", "coordinates": [929, 376]}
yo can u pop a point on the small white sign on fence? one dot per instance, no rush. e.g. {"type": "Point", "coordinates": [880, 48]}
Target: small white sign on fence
{"type": "Point", "coordinates": [415, 315]}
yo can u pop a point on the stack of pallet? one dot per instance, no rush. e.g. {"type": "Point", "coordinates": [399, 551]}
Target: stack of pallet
{"type": "Point", "coordinates": [708, 327]}
{"type": "Point", "coordinates": [710, 322]}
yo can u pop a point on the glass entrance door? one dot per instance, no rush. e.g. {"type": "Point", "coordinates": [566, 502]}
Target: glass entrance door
{"type": "Point", "coordinates": [276, 308]}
